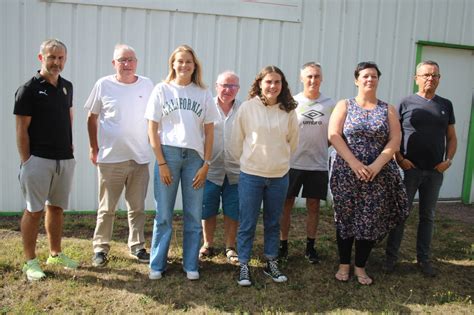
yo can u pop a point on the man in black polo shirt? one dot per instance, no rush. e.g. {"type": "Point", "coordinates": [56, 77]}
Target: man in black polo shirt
{"type": "Point", "coordinates": [427, 150]}
{"type": "Point", "coordinates": [43, 109]}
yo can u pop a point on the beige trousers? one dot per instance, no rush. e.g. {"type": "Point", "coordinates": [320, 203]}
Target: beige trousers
{"type": "Point", "coordinates": [113, 177]}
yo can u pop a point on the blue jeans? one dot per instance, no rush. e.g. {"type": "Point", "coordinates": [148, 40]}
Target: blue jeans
{"type": "Point", "coordinates": [212, 200]}
{"type": "Point", "coordinates": [428, 183]}
{"type": "Point", "coordinates": [183, 165]}
{"type": "Point", "coordinates": [252, 191]}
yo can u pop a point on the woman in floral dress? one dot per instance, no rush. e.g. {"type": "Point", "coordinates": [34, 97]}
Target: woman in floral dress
{"type": "Point", "coordinates": [369, 196]}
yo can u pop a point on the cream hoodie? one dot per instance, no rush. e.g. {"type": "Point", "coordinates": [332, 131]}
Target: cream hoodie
{"type": "Point", "coordinates": [263, 138]}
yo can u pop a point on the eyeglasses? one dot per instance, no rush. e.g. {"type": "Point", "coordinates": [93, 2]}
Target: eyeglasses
{"type": "Point", "coordinates": [126, 60]}
{"type": "Point", "coordinates": [426, 76]}
{"type": "Point", "coordinates": [229, 86]}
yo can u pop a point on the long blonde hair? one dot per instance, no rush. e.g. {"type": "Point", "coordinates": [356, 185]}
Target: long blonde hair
{"type": "Point", "coordinates": [196, 77]}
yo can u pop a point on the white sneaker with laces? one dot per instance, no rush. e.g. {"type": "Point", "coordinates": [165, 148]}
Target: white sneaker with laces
{"type": "Point", "coordinates": [192, 275]}
{"type": "Point", "coordinates": [155, 275]}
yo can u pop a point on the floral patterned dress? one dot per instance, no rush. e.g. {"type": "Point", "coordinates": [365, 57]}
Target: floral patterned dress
{"type": "Point", "coordinates": [367, 210]}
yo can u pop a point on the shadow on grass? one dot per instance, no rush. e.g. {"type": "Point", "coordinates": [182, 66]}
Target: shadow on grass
{"type": "Point", "coordinates": [309, 289]}
{"type": "Point", "coordinates": [124, 286]}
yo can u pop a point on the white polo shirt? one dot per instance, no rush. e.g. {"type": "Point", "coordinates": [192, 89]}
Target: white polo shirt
{"type": "Point", "coordinates": [122, 133]}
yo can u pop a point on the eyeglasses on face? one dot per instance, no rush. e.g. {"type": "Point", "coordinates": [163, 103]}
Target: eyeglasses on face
{"type": "Point", "coordinates": [426, 76]}
{"type": "Point", "coordinates": [229, 86]}
{"type": "Point", "coordinates": [126, 60]}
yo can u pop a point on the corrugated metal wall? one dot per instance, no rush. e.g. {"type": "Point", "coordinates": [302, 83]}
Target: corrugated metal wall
{"type": "Point", "coordinates": [338, 33]}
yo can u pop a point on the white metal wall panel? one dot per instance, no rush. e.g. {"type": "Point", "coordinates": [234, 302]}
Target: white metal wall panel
{"type": "Point", "coordinates": [224, 43]}
{"type": "Point", "coordinates": [398, 74]}
{"type": "Point", "coordinates": [468, 23]}
{"type": "Point", "coordinates": [337, 33]}
{"type": "Point", "coordinates": [290, 43]}
{"type": "Point", "coordinates": [247, 54]}
{"type": "Point", "coordinates": [347, 53]}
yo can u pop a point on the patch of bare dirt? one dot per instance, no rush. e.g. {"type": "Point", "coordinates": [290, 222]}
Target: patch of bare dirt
{"type": "Point", "coordinates": [456, 211]}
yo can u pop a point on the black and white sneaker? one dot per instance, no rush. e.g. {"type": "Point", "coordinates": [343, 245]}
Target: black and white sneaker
{"type": "Point", "coordinates": [312, 255]}
{"type": "Point", "coordinates": [244, 276]}
{"type": "Point", "coordinates": [273, 272]}
{"type": "Point", "coordinates": [100, 259]}
{"type": "Point", "coordinates": [142, 256]}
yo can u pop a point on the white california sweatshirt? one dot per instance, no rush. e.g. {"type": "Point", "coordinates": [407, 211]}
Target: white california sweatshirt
{"type": "Point", "coordinates": [263, 138]}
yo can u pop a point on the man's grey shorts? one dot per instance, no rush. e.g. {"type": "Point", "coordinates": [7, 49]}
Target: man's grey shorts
{"type": "Point", "coordinates": [45, 181]}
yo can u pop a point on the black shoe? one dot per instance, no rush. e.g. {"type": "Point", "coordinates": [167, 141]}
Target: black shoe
{"type": "Point", "coordinates": [244, 276]}
{"type": "Point", "coordinates": [142, 256]}
{"type": "Point", "coordinates": [427, 268]}
{"type": "Point", "coordinates": [312, 255]}
{"type": "Point", "coordinates": [282, 252]}
{"type": "Point", "coordinates": [273, 272]}
{"type": "Point", "coordinates": [99, 259]}
{"type": "Point", "coordinates": [389, 265]}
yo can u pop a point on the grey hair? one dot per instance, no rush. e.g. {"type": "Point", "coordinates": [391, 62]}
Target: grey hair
{"type": "Point", "coordinates": [52, 42]}
{"type": "Point", "coordinates": [311, 64]}
{"type": "Point", "coordinates": [427, 62]}
{"type": "Point", "coordinates": [227, 72]}
{"type": "Point", "coordinates": [120, 47]}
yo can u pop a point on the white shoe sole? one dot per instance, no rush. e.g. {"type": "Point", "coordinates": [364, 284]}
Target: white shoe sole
{"type": "Point", "coordinates": [280, 279]}
{"type": "Point", "coordinates": [155, 275]}
{"type": "Point", "coordinates": [35, 278]}
{"type": "Point", "coordinates": [244, 283]}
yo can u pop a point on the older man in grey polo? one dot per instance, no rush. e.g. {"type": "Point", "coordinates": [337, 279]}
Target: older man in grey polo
{"type": "Point", "coordinates": [223, 174]}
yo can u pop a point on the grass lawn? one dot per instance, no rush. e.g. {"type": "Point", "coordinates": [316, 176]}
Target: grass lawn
{"type": "Point", "coordinates": [123, 286]}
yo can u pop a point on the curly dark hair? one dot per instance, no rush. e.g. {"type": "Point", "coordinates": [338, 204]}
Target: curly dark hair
{"type": "Point", "coordinates": [287, 103]}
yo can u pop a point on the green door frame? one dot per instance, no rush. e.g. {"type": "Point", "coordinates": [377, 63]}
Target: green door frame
{"type": "Point", "coordinates": [469, 164]}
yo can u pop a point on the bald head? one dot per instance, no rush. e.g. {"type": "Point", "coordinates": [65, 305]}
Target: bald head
{"type": "Point", "coordinates": [119, 48]}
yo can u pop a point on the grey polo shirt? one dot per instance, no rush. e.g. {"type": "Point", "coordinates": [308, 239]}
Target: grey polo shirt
{"type": "Point", "coordinates": [222, 163]}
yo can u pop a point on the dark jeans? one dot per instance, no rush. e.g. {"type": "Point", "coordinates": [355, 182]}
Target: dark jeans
{"type": "Point", "coordinates": [428, 184]}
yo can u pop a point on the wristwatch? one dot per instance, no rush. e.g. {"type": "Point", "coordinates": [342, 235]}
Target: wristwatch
{"type": "Point", "coordinates": [207, 162]}
{"type": "Point", "coordinates": [449, 161]}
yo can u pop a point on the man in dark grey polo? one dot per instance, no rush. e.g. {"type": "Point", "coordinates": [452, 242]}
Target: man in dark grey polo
{"type": "Point", "coordinates": [427, 150]}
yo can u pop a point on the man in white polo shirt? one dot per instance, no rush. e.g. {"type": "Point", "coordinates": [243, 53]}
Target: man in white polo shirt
{"type": "Point", "coordinates": [119, 147]}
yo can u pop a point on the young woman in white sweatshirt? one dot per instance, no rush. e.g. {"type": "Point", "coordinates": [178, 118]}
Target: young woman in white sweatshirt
{"type": "Point", "coordinates": [265, 134]}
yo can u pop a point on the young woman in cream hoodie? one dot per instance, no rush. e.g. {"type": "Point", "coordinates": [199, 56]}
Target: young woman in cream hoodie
{"type": "Point", "coordinates": [265, 134]}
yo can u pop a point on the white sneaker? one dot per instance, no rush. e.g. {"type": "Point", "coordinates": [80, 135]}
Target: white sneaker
{"type": "Point", "coordinates": [192, 275]}
{"type": "Point", "coordinates": [155, 275]}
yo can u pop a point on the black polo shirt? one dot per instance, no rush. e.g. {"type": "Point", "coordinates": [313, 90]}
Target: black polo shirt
{"type": "Point", "coordinates": [50, 128]}
{"type": "Point", "coordinates": [424, 129]}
